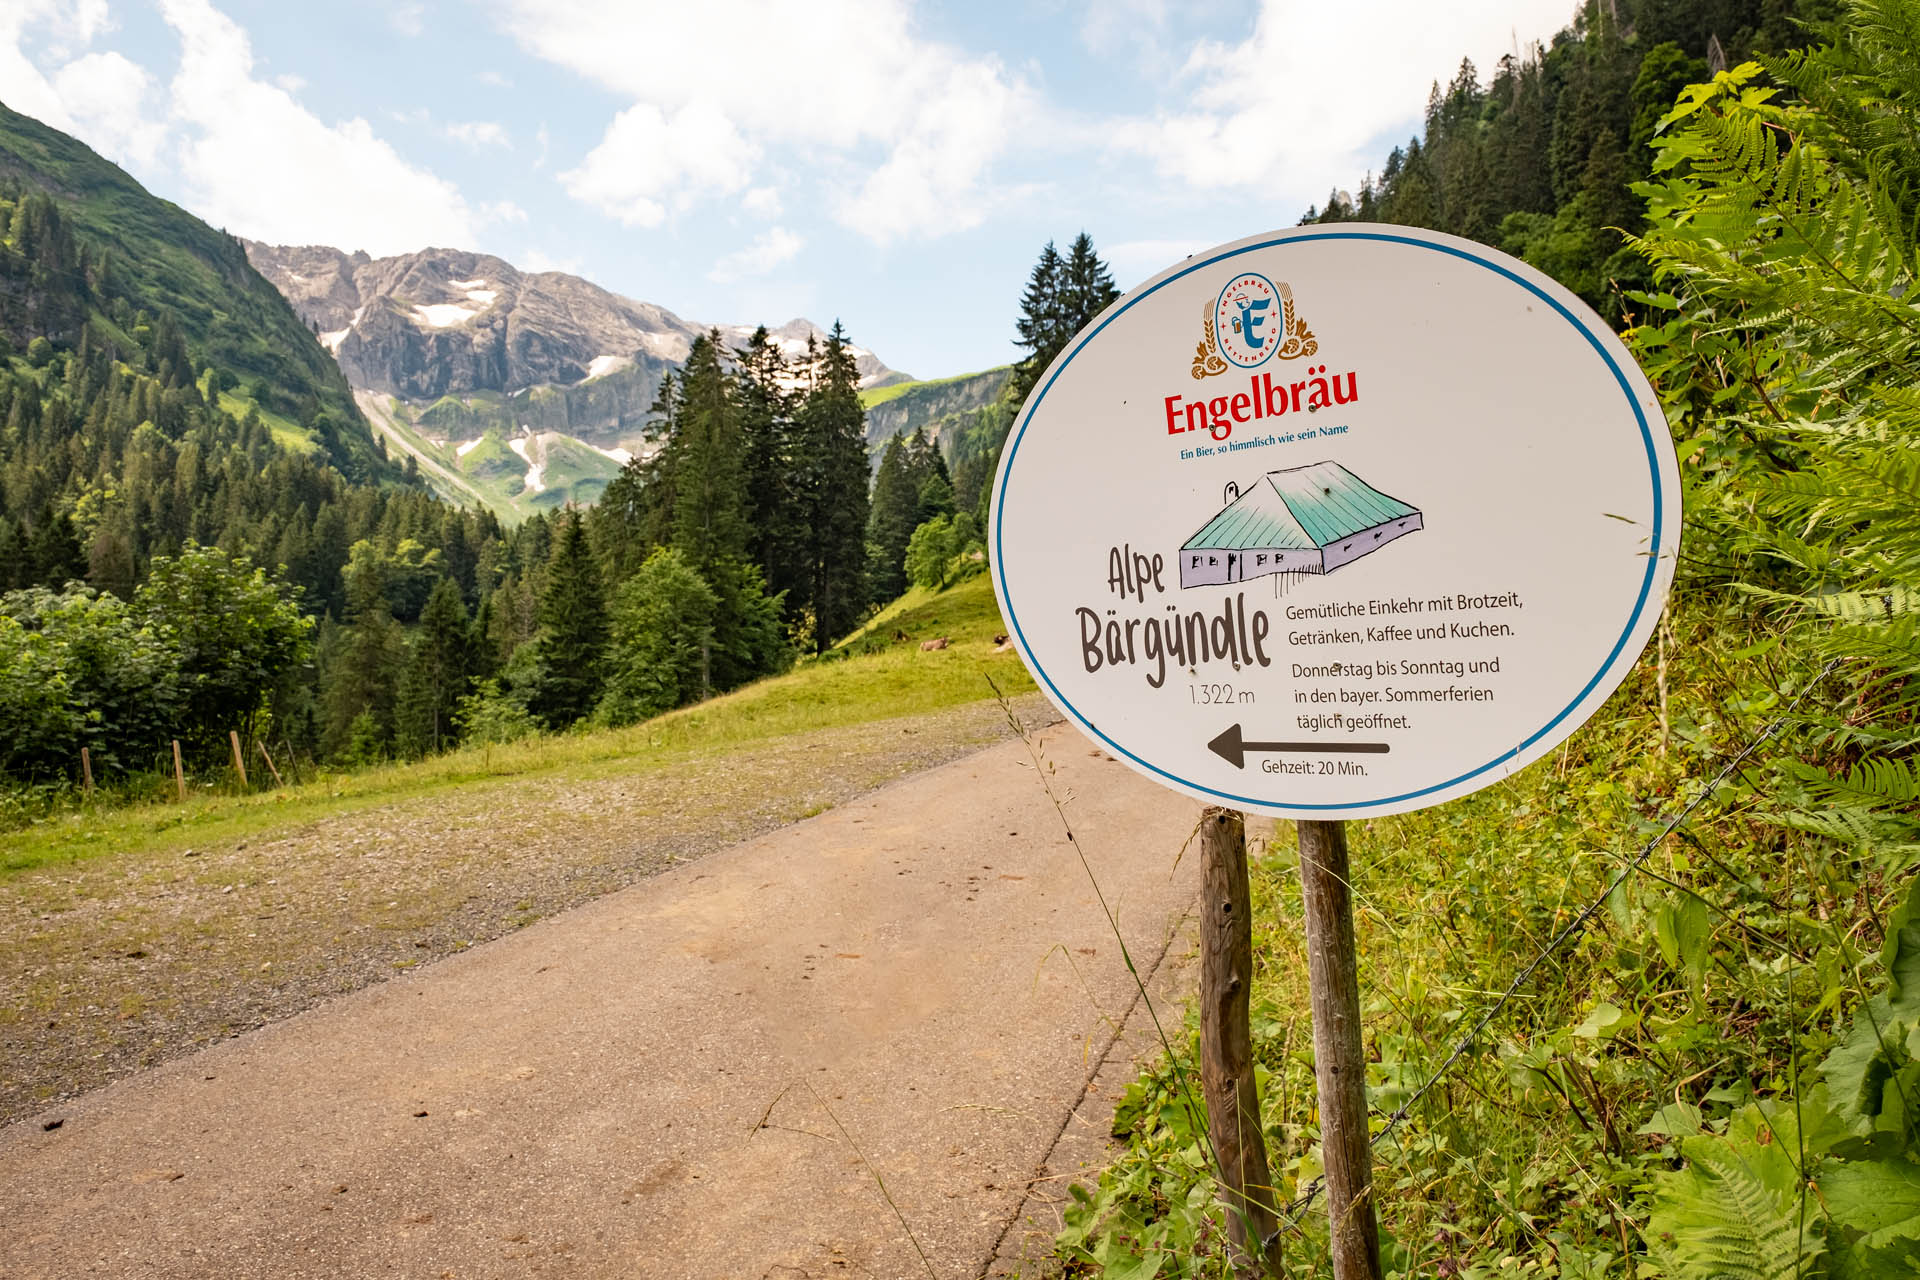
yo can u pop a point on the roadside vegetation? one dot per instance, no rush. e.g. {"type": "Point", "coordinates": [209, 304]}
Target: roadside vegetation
{"type": "Point", "coordinates": [877, 675]}
{"type": "Point", "coordinates": [1717, 1077]}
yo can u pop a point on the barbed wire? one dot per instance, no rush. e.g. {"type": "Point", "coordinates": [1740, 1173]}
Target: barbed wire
{"type": "Point", "coordinates": [1297, 1208]}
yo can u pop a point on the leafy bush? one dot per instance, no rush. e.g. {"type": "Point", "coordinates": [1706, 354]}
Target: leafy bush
{"type": "Point", "coordinates": [488, 716]}
{"type": "Point", "coordinates": [660, 654]}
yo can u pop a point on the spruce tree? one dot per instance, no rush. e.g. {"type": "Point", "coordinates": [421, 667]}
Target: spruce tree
{"type": "Point", "coordinates": [436, 675]}
{"type": "Point", "coordinates": [893, 516]}
{"type": "Point", "coordinates": [766, 405]}
{"type": "Point", "coordinates": [54, 550]}
{"type": "Point", "coordinates": [1088, 288]}
{"type": "Point", "coordinates": [573, 630]}
{"type": "Point", "coordinates": [1041, 326]}
{"type": "Point", "coordinates": [709, 514]}
{"type": "Point", "coordinates": [830, 473]}
{"type": "Point", "coordinates": [361, 679]}
{"type": "Point", "coordinates": [1063, 296]}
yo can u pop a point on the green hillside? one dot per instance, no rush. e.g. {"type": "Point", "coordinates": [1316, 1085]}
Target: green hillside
{"type": "Point", "coordinates": [461, 445]}
{"type": "Point", "coordinates": [942, 407]}
{"type": "Point", "coordinates": [161, 258]}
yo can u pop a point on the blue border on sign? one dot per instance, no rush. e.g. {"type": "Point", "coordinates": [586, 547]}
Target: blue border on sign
{"type": "Point", "coordinates": [1633, 620]}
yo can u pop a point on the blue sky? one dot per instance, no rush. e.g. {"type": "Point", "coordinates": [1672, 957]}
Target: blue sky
{"type": "Point", "coordinates": [893, 165]}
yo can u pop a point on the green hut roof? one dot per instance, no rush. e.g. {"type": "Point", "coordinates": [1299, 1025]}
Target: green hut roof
{"type": "Point", "coordinates": [1303, 507]}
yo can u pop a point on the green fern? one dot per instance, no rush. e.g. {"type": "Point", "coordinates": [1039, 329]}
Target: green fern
{"type": "Point", "coordinates": [1733, 1213]}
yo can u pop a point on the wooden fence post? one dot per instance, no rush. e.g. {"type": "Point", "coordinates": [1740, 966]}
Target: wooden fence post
{"type": "Point", "coordinates": [1226, 1040]}
{"type": "Point", "coordinates": [86, 769]}
{"type": "Point", "coordinates": [278, 781]}
{"type": "Point", "coordinates": [239, 759]}
{"type": "Point", "coordinates": [1339, 1061]}
{"type": "Point", "coordinates": [179, 774]}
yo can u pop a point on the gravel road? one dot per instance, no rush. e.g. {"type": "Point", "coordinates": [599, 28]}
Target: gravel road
{"type": "Point", "coordinates": [123, 961]}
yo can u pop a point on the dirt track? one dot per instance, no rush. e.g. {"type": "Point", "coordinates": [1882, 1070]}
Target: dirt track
{"type": "Point", "coordinates": [118, 963]}
{"type": "Point", "coordinates": [699, 1075]}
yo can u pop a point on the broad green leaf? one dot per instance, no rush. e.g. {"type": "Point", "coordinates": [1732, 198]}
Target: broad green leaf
{"type": "Point", "coordinates": [1674, 1120]}
{"type": "Point", "coordinates": [1878, 1199]}
{"type": "Point", "coordinates": [1605, 1020]}
{"type": "Point", "coordinates": [1858, 1068]}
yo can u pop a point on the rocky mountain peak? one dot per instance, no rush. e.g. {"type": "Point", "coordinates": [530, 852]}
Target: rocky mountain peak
{"type": "Point", "coordinates": [442, 322]}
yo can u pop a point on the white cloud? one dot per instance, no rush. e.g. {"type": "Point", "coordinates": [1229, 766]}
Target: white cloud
{"type": "Point", "coordinates": [260, 164]}
{"type": "Point", "coordinates": [479, 134]}
{"type": "Point", "coordinates": [848, 85]}
{"type": "Point", "coordinates": [1293, 99]}
{"type": "Point", "coordinates": [763, 202]}
{"type": "Point", "coordinates": [649, 158]}
{"type": "Point", "coordinates": [773, 247]}
{"type": "Point", "coordinates": [28, 90]}
{"type": "Point", "coordinates": [99, 96]}
{"type": "Point", "coordinates": [291, 83]}
{"type": "Point", "coordinates": [106, 97]}
{"type": "Point", "coordinates": [409, 19]}
{"type": "Point", "coordinates": [502, 211]}
{"type": "Point", "coordinates": [494, 79]}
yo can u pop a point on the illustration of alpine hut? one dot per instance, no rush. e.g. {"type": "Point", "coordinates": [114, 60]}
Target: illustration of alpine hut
{"type": "Point", "coordinates": [1312, 519]}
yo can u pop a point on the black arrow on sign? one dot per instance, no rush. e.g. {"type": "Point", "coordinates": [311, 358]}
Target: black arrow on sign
{"type": "Point", "coordinates": [1230, 747]}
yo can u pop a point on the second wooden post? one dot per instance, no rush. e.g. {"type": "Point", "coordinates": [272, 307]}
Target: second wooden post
{"type": "Point", "coordinates": [1226, 1040]}
{"type": "Point", "coordinates": [1339, 1059]}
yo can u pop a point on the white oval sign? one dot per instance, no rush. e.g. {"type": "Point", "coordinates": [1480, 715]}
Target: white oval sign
{"type": "Point", "coordinates": [1337, 522]}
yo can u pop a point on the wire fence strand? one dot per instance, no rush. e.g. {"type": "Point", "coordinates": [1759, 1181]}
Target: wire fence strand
{"type": "Point", "coordinates": [1297, 1208]}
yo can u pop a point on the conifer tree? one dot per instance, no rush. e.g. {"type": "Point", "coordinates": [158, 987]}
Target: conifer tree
{"type": "Point", "coordinates": [830, 475]}
{"type": "Point", "coordinates": [1088, 288]}
{"type": "Point", "coordinates": [1042, 324]}
{"type": "Point", "coordinates": [893, 515]}
{"type": "Point", "coordinates": [54, 550]}
{"type": "Point", "coordinates": [362, 680]}
{"type": "Point", "coordinates": [436, 674]}
{"type": "Point", "coordinates": [766, 405]}
{"type": "Point", "coordinates": [1063, 296]}
{"type": "Point", "coordinates": [704, 453]}
{"type": "Point", "coordinates": [573, 630]}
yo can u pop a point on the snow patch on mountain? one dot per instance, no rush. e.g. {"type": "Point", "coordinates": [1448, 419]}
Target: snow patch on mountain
{"type": "Point", "coordinates": [444, 315]}
{"type": "Point", "coordinates": [524, 446]}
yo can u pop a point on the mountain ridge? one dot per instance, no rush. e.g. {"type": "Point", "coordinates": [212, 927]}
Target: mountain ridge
{"type": "Point", "coordinates": [450, 349]}
{"type": "Point", "coordinates": [231, 317]}
{"type": "Point", "coordinates": [473, 321]}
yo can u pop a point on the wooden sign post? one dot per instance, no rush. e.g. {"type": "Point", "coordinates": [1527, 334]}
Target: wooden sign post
{"type": "Point", "coordinates": [1226, 1038]}
{"type": "Point", "coordinates": [1339, 1058]}
{"type": "Point", "coordinates": [1330, 523]}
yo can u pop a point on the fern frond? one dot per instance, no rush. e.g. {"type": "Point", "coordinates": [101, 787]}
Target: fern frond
{"type": "Point", "coordinates": [1719, 1220]}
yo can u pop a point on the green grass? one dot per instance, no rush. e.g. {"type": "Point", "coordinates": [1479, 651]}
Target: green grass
{"type": "Point", "coordinates": [880, 395]}
{"type": "Point", "coordinates": [883, 681]}
{"type": "Point", "coordinates": [287, 433]}
{"type": "Point", "coordinates": [965, 609]}
{"type": "Point", "coordinates": [1534, 1155]}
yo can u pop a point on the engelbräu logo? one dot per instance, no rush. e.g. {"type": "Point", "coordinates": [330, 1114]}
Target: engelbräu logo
{"type": "Point", "coordinates": [1250, 322]}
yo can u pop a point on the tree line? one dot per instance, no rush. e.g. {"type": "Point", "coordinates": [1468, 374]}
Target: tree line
{"type": "Point", "coordinates": [1540, 160]}
{"type": "Point", "coordinates": [364, 619]}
